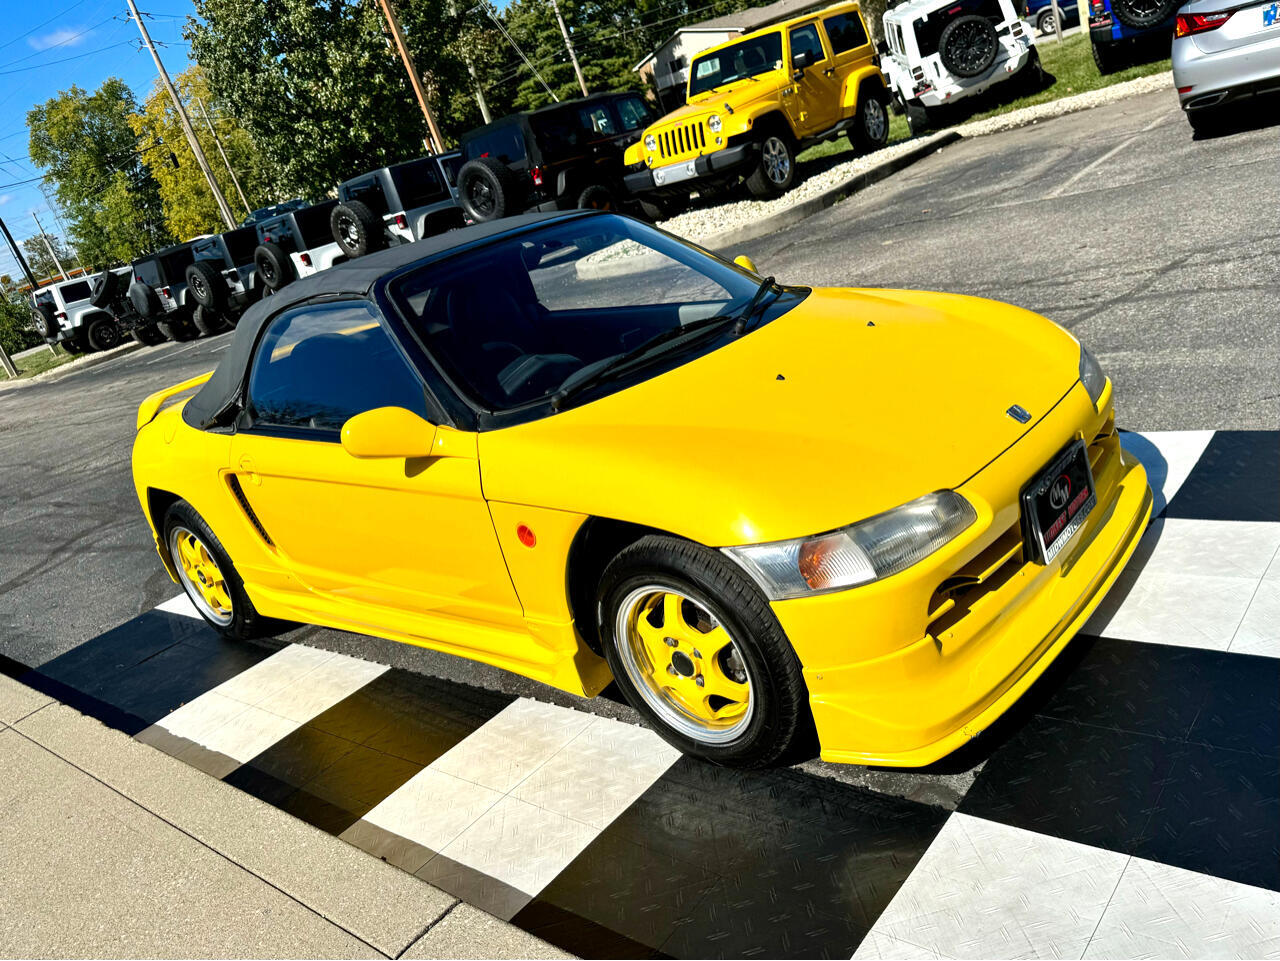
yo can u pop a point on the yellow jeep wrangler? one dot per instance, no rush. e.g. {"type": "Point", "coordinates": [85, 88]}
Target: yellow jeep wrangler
{"type": "Point", "coordinates": [755, 101]}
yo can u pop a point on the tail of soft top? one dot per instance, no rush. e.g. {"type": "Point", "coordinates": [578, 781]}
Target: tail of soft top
{"type": "Point", "coordinates": [151, 406]}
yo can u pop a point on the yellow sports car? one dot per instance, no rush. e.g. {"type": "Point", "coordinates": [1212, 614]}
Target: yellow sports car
{"type": "Point", "coordinates": [583, 450]}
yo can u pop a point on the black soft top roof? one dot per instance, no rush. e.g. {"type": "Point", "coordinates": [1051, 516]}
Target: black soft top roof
{"type": "Point", "coordinates": [354, 278]}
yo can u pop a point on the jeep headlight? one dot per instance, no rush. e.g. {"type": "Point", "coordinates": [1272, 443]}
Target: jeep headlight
{"type": "Point", "coordinates": [714, 123]}
{"type": "Point", "coordinates": [1091, 375]}
{"type": "Point", "coordinates": [650, 142]}
{"type": "Point", "coordinates": [860, 553]}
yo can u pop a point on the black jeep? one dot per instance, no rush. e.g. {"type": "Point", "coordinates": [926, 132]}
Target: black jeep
{"type": "Point", "coordinates": [560, 157]}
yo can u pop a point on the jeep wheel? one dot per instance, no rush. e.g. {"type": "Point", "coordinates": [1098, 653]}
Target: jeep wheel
{"type": "Point", "coordinates": [177, 330]}
{"type": "Point", "coordinates": [104, 334]}
{"type": "Point", "coordinates": [968, 45]}
{"type": "Point", "coordinates": [655, 210]}
{"type": "Point", "coordinates": [356, 228]}
{"type": "Point", "coordinates": [273, 265]}
{"type": "Point", "coordinates": [1032, 76]}
{"type": "Point", "coordinates": [597, 197]}
{"type": "Point", "coordinates": [209, 322]}
{"type": "Point", "coordinates": [72, 346]}
{"type": "Point", "coordinates": [487, 189]}
{"type": "Point", "coordinates": [104, 289]}
{"type": "Point", "coordinates": [207, 286]}
{"type": "Point", "coordinates": [872, 129]}
{"type": "Point", "coordinates": [148, 335]}
{"type": "Point", "coordinates": [775, 171]}
{"type": "Point", "coordinates": [1143, 14]}
{"type": "Point", "coordinates": [1105, 57]}
{"type": "Point", "coordinates": [144, 300]}
{"type": "Point", "coordinates": [917, 117]}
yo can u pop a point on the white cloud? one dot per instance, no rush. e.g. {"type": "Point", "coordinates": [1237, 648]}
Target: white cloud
{"type": "Point", "coordinates": [62, 37]}
{"type": "Point", "coordinates": [5, 198]}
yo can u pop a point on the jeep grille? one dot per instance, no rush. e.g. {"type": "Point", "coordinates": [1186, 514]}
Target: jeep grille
{"type": "Point", "coordinates": [682, 139]}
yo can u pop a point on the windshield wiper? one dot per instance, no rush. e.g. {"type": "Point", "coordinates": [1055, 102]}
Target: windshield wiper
{"type": "Point", "coordinates": [622, 362]}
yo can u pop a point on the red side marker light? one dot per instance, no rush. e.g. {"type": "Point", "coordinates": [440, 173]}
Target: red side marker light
{"type": "Point", "coordinates": [526, 535]}
{"type": "Point", "coordinates": [402, 221]}
{"type": "Point", "coordinates": [306, 259]}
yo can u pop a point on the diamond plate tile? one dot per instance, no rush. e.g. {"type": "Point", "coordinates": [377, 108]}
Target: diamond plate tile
{"type": "Point", "coordinates": [881, 947]}
{"type": "Point", "coordinates": [1241, 706]}
{"type": "Point", "coordinates": [1168, 457]}
{"type": "Point", "coordinates": [1234, 479]}
{"type": "Point", "coordinates": [283, 669]}
{"type": "Point", "coordinates": [520, 844]}
{"type": "Point", "coordinates": [1188, 610]}
{"type": "Point", "coordinates": [1259, 632]}
{"type": "Point", "coordinates": [432, 808]}
{"type": "Point", "coordinates": [1159, 911]}
{"type": "Point", "coordinates": [987, 890]}
{"type": "Point", "coordinates": [1219, 815]}
{"type": "Point", "coordinates": [180, 605]}
{"type": "Point", "coordinates": [320, 689]}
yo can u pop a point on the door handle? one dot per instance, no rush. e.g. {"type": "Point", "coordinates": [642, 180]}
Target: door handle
{"type": "Point", "coordinates": [829, 71]}
{"type": "Point", "coordinates": [246, 467]}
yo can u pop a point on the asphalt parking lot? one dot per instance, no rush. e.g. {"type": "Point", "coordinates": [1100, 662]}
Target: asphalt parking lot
{"type": "Point", "coordinates": [1161, 252]}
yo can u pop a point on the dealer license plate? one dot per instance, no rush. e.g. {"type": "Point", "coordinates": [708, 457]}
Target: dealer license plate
{"type": "Point", "coordinates": [1056, 504]}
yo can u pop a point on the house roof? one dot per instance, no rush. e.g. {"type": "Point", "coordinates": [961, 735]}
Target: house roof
{"type": "Point", "coordinates": [744, 21]}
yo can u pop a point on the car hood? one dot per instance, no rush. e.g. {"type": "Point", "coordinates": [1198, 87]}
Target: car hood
{"type": "Point", "coordinates": [853, 402]}
{"type": "Point", "coordinates": [737, 95]}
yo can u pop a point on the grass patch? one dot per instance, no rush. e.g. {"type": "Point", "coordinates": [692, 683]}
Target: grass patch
{"type": "Point", "coordinates": [1071, 65]}
{"type": "Point", "coordinates": [41, 361]}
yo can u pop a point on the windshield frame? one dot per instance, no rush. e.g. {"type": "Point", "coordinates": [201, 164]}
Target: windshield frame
{"type": "Point", "coordinates": [466, 408]}
{"type": "Point", "coordinates": [721, 51]}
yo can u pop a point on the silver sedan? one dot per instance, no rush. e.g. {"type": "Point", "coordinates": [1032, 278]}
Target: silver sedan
{"type": "Point", "coordinates": [1225, 51]}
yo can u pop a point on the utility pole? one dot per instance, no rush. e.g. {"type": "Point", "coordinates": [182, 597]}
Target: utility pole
{"type": "Point", "coordinates": [568, 45]}
{"type": "Point", "coordinates": [5, 362]}
{"type": "Point", "coordinates": [480, 101]}
{"type": "Point", "coordinates": [218, 142]}
{"type": "Point", "coordinates": [49, 247]}
{"type": "Point", "coordinates": [388, 11]}
{"type": "Point", "coordinates": [57, 219]}
{"type": "Point", "coordinates": [223, 207]}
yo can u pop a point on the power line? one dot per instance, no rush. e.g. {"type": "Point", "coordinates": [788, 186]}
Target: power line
{"type": "Point", "coordinates": [42, 24]}
{"type": "Point", "coordinates": [79, 56]}
{"type": "Point", "coordinates": [60, 43]}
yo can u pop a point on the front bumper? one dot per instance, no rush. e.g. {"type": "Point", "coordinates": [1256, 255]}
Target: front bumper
{"type": "Point", "coordinates": [721, 163]}
{"type": "Point", "coordinates": [979, 645]}
{"type": "Point", "coordinates": [1225, 76]}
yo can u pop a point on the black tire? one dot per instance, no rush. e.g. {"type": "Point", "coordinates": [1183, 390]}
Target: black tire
{"type": "Point", "coordinates": [103, 333]}
{"type": "Point", "coordinates": [918, 118]}
{"type": "Point", "coordinates": [148, 335]}
{"type": "Point", "coordinates": [45, 322]}
{"type": "Point", "coordinates": [273, 265]}
{"type": "Point", "coordinates": [1032, 77]}
{"type": "Point", "coordinates": [144, 300]}
{"type": "Point", "coordinates": [177, 329]}
{"type": "Point", "coordinates": [207, 286]}
{"type": "Point", "coordinates": [775, 169]}
{"type": "Point", "coordinates": [245, 623]}
{"type": "Point", "coordinates": [968, 46]}
{"type": "Point", "coordinates": [105, 287]}
{"type": "Point", "coordinates": [778, 696]}
{"type": "Point", "coordinates": [872, 129]}
{"type": "Point", "coordinates": [72, 346]}
{"type": "Point", "coordinates": [1105, 57]}
{"type": "Point", "coordinates": [356, 228]}
{"type": "Point", "coordinates": [1143, 14]}
{"type": "Point", "coordinates": [209, 322]}
{"type": "Point", "coordinates": [597, 197]}
{"type": "Point", "coordinates": [488, 189]}
{"type": "Point", "coordinates": [654, 210]}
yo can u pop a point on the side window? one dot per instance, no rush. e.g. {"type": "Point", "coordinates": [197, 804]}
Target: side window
{"type": "Point", "coordinates": [845, 32]}
{"type": "Point", "coordinates": [806, 39]}
{"type": "Point", "coordinates": [634, 113]}
{"type": "Point", "coordinates": [597, 121]}
{"type": "Point", "coordinates": [320, 365]}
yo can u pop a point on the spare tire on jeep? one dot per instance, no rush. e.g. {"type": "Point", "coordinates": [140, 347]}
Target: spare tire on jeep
{"type": "Point", "coordinates": [356, 228]}
{"type": "Point", "coordinates": [968, 45]}
{"type": "Point", "coordinates": [208, 288]}
{"type": "Point", "coordinates": [144, 300]}
{"type": "Point", "coordinates": [44, 321]}
{"type": "Point", "coordinates": [1142, 14]}
{"type": "Point", "coordinates": [273, 265]}
{"type": "Point", "coordinates": [488, 189]}
{"type": "Point", "coordinates": [105, 287]}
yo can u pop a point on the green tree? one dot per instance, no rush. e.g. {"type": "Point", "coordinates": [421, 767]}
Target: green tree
{"type": "Point", "coordinates": [188, 204]}
{"type": "Point", "coordinates": [38, 259]}
{"type": "Point", "coordinates": [16, 329]}
{"type": "Point", "coordinates": [85, 143]}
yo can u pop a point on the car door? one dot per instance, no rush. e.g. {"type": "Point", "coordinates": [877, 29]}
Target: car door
{"type": "Point", "coordinates": [815, 105]}
{"type": "Point", "coordinates": [850, 47]}
{"type": "Point", "coordinates": [380, 535]}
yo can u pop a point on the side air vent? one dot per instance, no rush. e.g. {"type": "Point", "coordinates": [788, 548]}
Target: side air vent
{"type": "Point", "coordinates": [236, 489]}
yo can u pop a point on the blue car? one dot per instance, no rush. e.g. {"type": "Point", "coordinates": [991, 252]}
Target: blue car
{"type": "Point", "coordinates": [1118, 27]}
{"type": "Point", "coordinates": [1039, 13]}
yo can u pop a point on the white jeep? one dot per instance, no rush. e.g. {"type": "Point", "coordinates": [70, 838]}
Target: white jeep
{"type": "Point", "coordinates": [936, 52]}
{"type": "Point", "coordinates": [65, 314]}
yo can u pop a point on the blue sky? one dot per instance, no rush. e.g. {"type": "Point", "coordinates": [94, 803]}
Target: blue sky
{"type": "Point", "coordinates": [48, 47]}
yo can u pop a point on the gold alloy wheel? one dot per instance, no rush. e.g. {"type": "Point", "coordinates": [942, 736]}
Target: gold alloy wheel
{"type": "Point", "coordinates": [684, 664]}
{"type": "Point", "coordinates": [200, 575]}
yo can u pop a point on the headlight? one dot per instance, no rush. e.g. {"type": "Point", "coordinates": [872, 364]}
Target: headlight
{"type": "Point", "coordinates": [650, 142]}
{"type": "Point", "coordinates": [1091, 375]}
{"type": "Point", "coordinates": [714, 123]}
{"type": "Point", "coordinates": [860, 553]}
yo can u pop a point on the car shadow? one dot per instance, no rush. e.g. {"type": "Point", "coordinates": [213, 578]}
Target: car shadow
{"type": "Point", "coordinates": [1245, 116]}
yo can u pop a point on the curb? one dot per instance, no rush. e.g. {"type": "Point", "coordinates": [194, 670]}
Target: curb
{"type": "Point", "coordinates": [65, 370]}
{"type": "Point", "coordinates": [831, 196]}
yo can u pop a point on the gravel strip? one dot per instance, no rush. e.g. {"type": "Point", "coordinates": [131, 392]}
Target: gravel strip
{"type": "Point", "coordinates": [707, 222]}
{"type": "Point", "coordinates": [1066, 105]}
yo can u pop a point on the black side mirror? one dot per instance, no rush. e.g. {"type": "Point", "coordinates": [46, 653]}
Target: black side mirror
{"type": "Point", "coordinates": [801, 62]}
{"type": "Point", "coordinates": [882, 48]}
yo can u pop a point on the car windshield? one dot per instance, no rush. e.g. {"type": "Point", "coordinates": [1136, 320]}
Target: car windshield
{"type": "Point", "coordinates": [746, 59]}
{"type": "Point", "coordinates": [536, 314]}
